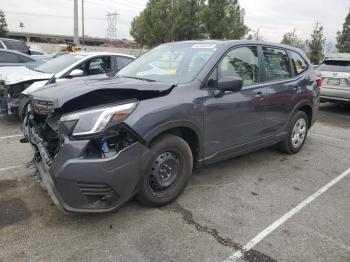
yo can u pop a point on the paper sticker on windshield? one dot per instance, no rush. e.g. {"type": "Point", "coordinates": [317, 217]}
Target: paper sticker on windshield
{"type": "Point", "coordinates": [205, 46]}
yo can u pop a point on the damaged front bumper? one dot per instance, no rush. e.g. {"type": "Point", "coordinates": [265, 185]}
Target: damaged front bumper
{"type": "Point", "coordinates": [79, 184]}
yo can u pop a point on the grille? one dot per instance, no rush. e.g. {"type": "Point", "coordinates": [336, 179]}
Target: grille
{"type": "Point", "coordinates": [95, 189]}
{"type": "Point", "coordinates": [98, 195]}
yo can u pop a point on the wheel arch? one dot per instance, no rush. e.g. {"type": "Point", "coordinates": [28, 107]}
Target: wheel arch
{"type": "Point", "coordinates": [307, 108]}
{"type": "Point", "coordinates": [184, 129]}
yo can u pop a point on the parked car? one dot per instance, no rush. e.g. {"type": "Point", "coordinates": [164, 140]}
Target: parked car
{"type": "Point", "coordinates": [16, 45]}
{"type": "Point", "coordinates": [335, 73]}
{"type": "Point", "coordinates": [25, 80]}
{"type": "Point", "coordinates": [14, 58]}
{"type": "Point", "coordinates": [40, 54]}
{"type": "Point", "coordinates": [102, 140]}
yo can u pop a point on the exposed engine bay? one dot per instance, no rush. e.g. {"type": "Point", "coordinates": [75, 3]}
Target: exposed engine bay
{"type": "Point", "coordinates": [44, 120]}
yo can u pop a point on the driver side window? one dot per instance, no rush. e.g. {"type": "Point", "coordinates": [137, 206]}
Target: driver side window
{"type": "Point", "coordinates": [96, 66]}
{"type": "Point", "coordinates": [242, 62]}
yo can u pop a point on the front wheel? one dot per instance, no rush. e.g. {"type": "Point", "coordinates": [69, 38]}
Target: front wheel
{"type": "Point", "coordinates": [297, 133]}
{"type": "Point", "coordinates": [167, 172]}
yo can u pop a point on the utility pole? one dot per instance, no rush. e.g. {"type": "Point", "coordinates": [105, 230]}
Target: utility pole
{"type": "Point", "coordinates": [76, 23]}
{"type": "Point", "coordinates": [82, 21]}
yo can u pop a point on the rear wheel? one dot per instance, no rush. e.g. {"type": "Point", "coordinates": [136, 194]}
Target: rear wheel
{"type": "Point", "coordinates": [297, 133]}
{"type": "Point", "coordinates": [168, 171]}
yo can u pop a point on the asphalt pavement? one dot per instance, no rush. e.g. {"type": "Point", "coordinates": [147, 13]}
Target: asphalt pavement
{"type": "Point", "coordinates": [224, 207]}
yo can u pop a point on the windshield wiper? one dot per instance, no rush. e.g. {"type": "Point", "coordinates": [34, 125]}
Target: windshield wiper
{"type": "Point", "coordinates": [139, 78]}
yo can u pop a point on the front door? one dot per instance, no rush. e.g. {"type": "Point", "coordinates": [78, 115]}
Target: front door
{"type": "Point", "coordinates": [232, 119]}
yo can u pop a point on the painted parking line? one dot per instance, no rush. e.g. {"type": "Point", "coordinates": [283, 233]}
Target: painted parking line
{"type": "Point", "coordinates": [330, 138]}
{"type": "Point", "coordinates": [8, 137]}
{"type": "Point", "coordinates": [10, 168]}
{"type": "Point", "coordinates": [254, 241]}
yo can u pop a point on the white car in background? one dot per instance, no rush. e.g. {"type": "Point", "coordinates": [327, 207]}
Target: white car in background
{"type": "Point", "coordinates": [335, 74]}
{"type": "Point", "coordinates": [18, 82]}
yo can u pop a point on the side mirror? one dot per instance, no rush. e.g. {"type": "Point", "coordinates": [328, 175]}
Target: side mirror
{"type": "Point", "coordinates": [76, 73]}
{"type": "Point", "coordinates": [230, 83]}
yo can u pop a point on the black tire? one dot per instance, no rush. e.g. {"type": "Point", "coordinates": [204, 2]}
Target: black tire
{"type": "Point", "coordinates": [178, 154]}
{"type": "Point", "coordinates": [288, 146]}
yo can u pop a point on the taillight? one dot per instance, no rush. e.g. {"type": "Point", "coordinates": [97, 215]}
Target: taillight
{"type": "Point", "coordinates": [319, 81]}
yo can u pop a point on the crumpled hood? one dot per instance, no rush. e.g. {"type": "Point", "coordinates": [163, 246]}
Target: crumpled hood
{"type": "Point", "coordinates": [61, 93]}
{"type": "Point", "coordinates": [17, 74]}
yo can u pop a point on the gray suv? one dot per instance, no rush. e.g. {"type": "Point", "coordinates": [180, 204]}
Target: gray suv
{"type": "Point", "coordinates": [100, 141]}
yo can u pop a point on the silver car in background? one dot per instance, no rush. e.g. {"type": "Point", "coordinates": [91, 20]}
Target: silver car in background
{"type": "Point", "coordinates": [335, 74]}
{"type": "Point", "coordinates": [15, 58]}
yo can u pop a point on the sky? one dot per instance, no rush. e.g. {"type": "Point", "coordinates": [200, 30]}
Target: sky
{"type": "Point", "coordinates": [272, 17]}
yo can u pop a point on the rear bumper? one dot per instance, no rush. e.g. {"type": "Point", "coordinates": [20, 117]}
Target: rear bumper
{"type": "Point", "coordinates": [76, 184]}
{"type": "Point", "coordinates": [335, 95]}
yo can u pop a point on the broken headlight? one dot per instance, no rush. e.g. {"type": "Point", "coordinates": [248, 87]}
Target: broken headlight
{"type": "Point", "coordinates": [93, 121]}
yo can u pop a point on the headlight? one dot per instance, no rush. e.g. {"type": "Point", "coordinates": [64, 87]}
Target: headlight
{"type": "Point", "coordinates": [95, 120]}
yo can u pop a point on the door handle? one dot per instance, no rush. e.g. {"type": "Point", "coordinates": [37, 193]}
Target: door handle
{"type": "Point", "coordinates": [259, 95]}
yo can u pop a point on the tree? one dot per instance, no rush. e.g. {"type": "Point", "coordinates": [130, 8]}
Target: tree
{"type": "Point", "coordinates": [138, 30]}
{"type": "Point", "coordinates": [223, 19]}
{"type": "Point", "coordinates": [3, 25]}
{"type": "Point", "coordinates": [176, 20]}
{"type": "Point", "coordinates": [187, 24]}
{"type": "Point", "coordinates": [316, 44]}
{"type": "Point", "coordinates": [167, 21]}
{"type": "Point", "coordinates": [343, 38]}
{"type": "Point", "coordinates": [292, 39]}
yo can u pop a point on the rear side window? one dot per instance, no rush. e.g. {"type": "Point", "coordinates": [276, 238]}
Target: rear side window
{"type": "Point", "coordinates": [1, 46]}
{"type": "Point", "coordinates": [6, 57]}
{"type": "Point", "coordinates": [299, 63]}
{"type": "Point", "coordinates": [277, 64]}
{"type": "Point", "coordinates": [241, 62]}
{"type": "Point", "coordinates": [123, 61]}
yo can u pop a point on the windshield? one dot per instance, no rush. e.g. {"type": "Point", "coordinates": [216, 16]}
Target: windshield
{"type": "Point", "coordinates": [172, 63]}
{"type": "Point", "coordinates": [335, 66]}
{"type": "Point", "coordinates": [56, 65]}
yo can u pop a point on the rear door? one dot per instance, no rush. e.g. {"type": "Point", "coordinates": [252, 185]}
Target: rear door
{"type": "Point", "coordinates": [283, 88]}
{"type": "Point", "coordinates": [232, 119]}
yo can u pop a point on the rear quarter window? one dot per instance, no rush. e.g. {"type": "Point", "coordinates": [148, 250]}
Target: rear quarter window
{"type": "Point", "coordinates": [299, 63]}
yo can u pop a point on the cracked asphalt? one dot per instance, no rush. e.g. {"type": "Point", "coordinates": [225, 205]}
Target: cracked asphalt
{"type": "Point", "coordinates": [224, 206]}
